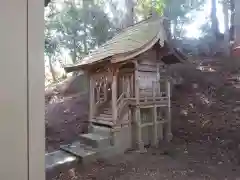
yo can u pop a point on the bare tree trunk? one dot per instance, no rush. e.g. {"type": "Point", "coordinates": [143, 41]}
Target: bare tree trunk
{"type": "Point", "coordinates": [214, 18]}
{"type": "Point", "coordinates": [153, 9]}
{"type": "Point", "coordinates": [167, 28]}
{"type": "Point", "coordinates": [85, 39]}
{"type": "Point", "coordinates": [167, 23]}
{"type": "Point", "coordinates": [237, 22]}
{"type": "Point", "coordinates": [215, 29]}
{"type": "Point", "coordinates": [61, 62]}
{"type": "Point", "coordinates": [130, 13]}
{"type": "Point", "coordinates": [86, 4]}
{"type": "Point", "coordinates": [232, 7]}
{"type": "Point", "coordinates": [226, 25]}
{"type": "Point", "coordinates": [52, 69]}
{"type": "Point", "coordinates": [175, 23]}
{"type": "Point", "coordinates": [74, 57]}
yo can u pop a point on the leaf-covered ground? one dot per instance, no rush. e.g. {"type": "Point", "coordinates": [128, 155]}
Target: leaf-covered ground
{"type": "Point", "coordinates": [206, 120]}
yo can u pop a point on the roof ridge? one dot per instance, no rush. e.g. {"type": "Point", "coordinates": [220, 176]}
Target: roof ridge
{"type": "Point", "coordinates": [130, 39]}
{"type": "Point", "coordinates": [127, 28]}
{"type": "Point", "coordinates": [149, 19]}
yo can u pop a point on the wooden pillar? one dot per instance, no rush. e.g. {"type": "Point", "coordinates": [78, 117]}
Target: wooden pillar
{"type": "Point", "coordinates": [140, 143]}
{"type": "Point", "coordinates": [105, 89]}
{"type": "Point", "coordinates": [136, 83]}
{"type": "Point", "coordinates": [98, 94]}
{"type": "Point", "coordinates": [128, 86]}
{"type": "Point", "coordinates": [123, 84]}
{"type": "Point", "coordinates": [168, 133]}
{"type": "Point", "coordinates": [158, 72]}
{"type": "Point", "coordinates": [91, 98]}
{"type": "Point", "coordinates": [158, 80]}
{"type": "Point", "coordinates": [105, 92]}
{"type": "Point", "coordinates": [155, 136]}
{"type": "Point", "coordinates": [131, 86]}
{"type": "Point", "coordinates": [114, 95]}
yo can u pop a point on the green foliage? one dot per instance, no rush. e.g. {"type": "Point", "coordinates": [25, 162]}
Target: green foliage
{"type": "Point", "coordinates": [51, 41]}
{"type": "Point", "coordinates": [82, 26]}
{"type": "Point", "coordinates": [51, 44]}
{"type": "Point", "coordinates": [77, 27]}
{"type": "Point", "coordinates": [145, 8]}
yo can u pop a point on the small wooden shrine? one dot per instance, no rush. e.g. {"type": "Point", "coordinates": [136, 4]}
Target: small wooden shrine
{"type": "Point", "coordinates": [129, 92]}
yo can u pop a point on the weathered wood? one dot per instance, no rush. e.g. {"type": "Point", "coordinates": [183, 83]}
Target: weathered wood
{"type": "Point", "coordinates": [158, 72]}
{"type": "Point", "coordinates": [146, 79]}
{"type": "Point", "coordinates": [91, 98]}
{"type": "Point", "coordinates": [105, 91]}
{"type": "Point", "coordinates": [139, 87]}
{"type": "Point", "coordinates": [140, 143]}
{"type": "Point", "coordinates": [114, 95]}
{"type": "Point", "coordinates": [132, 85]}
{"type": "Point", "coordinates": [103, 122]}
{"type": "Point", "coordinates": [147, 68]}
{"type": "Point", "coordinates": [100, 74]}
{"type": "Point", "coordinates": [146, 124]}
{"type": "Point", "coordinates": [123, 84]}
{"type": "Point", "coordinates": [128, 91]}
{"type": "Point", "coordinates": [98, 94]}
{"type": "Point", "coordinates": [160, 130]}
{"type": "Point", "coordinates": [136, 83]}
{"type": "Point", "coordinates": [155, 132]}
{"type": "Point", "coordinates": [168, 134]}
{"type": "Point", "coordinates": [126, 71]}
{"type": "Point", "coordinates": [138, 115]}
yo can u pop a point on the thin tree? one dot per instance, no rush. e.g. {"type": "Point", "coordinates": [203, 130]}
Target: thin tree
{"type": "Point", "coordinates": [129, 18]}
{"type": "Point", "coordinates": [214, 26]}
{"type": "Point", "coordinates": [225, 4]}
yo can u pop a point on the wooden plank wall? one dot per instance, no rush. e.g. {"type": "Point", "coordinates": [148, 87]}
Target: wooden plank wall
{"type": "Point", "coordinates": [148, 67]}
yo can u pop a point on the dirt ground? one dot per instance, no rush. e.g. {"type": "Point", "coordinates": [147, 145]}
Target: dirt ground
{"type": "Point", "coordinates": [66, 118]}
{"type": "Point", "coordinates": [183, 161]}
{"type": "Point", "coordinates": [206, 120]}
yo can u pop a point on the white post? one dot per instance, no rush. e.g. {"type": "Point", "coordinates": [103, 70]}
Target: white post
{"type": "Point", "coordinates": [22, 90]}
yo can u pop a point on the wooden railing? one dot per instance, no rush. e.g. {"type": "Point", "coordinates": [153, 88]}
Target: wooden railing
{"type": "Point", "coordinates": [120, 98]}
{"type": "Point", "coordinates": [101, 98]}
{"type": "Point", "coordinates": [121, 103]}
{"type": "Point", "coordinates": [156, 95]}
{"type": "Point", "coordinates": [159, 91]}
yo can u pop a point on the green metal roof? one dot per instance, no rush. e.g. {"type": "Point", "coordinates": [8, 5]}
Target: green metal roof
{"type": "Point", "coordinates": [128, 40]}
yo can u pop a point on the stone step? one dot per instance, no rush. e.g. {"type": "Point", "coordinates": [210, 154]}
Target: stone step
{"type": "Point", "coordinates": [104, 118]}
{"type": "Point", "coordinates": [106, 115]}
{"type": "Point", "coordinates": [58, 159]}
{"type": "Point", "coordinates": [108, 109]}
{"type": "Point", "coordinates": [102, 121]}
{"type": "Point", "coordinates": [107, 112]}
{"type": "Point", "coordinates": [84, 153]}
{"type": "Point", "coordinates": [101, 130]}
{"type": "Point", "coordinates": [95, 140]}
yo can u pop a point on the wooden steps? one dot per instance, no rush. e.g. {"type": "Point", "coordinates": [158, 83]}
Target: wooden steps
{"type": "Point", "coordinates": [95, 140]}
